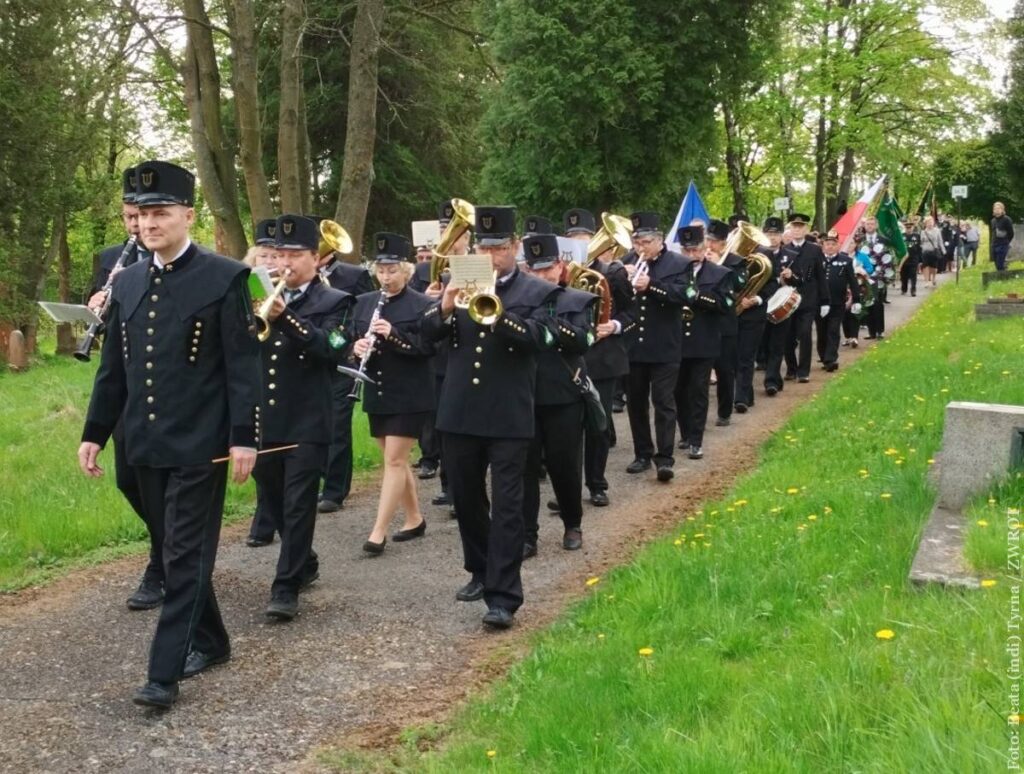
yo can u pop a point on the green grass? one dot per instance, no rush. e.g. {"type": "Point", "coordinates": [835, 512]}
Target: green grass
{"type": "Point", "coordinates": [51, 516]}
{"type": "Point", "coordinates": [989, 516]}
{"type": "Point", "coordinates": [762, 610]}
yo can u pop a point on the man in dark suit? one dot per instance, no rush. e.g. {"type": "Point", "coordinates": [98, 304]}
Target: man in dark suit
{"type": "Point", "coordinates": [806, 272]}
{"type": "Point", "coordinates": [486, 413]}
{"type": "Point", "coordinates": [727, 362]}
{"type": "Point", "coordinates": [841, 282]}
{"type": "Point", "coordinates": [182, 363]}
{"type": "Point", "coordinates": [753, 327]}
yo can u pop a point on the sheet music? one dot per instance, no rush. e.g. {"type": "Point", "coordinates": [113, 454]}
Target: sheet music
{"type": "Point", "coordinates": [471, 272]}
{"type": "Point", "coordinates": [426, 233]}
{"type": "Point", "coordinates": [70, 313]}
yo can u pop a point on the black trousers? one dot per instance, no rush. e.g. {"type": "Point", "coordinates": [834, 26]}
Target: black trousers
{"type": "Point", "coordinates": [492, 533]}
{"type": "Point", "coordinates": [338, 469]}
{"type": "Point", "coordinates": [851, 325]}
{"type": "Point", "coordinates": [876, 316]}
{"type": "Point", "coordinates": [748, 342]}
{"type": "Point", "coordinates": [655, 383]}
{"type": "Point", "coordinates": [128, 485]}
{"type": "Point", "coordinates": [778, 337]}
{"type": "Point", "coordinates": [430, 440]}
{"type": "Point", "coordinates": [908, 276]}
{"type": "Point", "coordinates": [726, 365]}
{"type": "Point", "coordinates": [287, 482]}
{"type": "Point", "coordinates": [191, 501]}
{"type": "Point", "coordinates": [800, 339]}
{"type": "Point", "coordinates": [596, 445]}
{"type": "Point", "coordinates": [692, 398]}
{"type": "Point", "coordinates": [558, 440]}
{"type": "Point", "coordinates": [829, 329]}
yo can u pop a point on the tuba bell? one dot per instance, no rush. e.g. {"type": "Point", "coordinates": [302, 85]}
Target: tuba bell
{"type": "Point", "coordinates": [592, 281]}
{"type": "Point", "coordinates": [616, 233]}
{"type": "Point", "coordinates": [333, 239]}
{"type": "Point", "coordinates": [744, 241]}
{"type": "Point", "coordinates": [461, 222]}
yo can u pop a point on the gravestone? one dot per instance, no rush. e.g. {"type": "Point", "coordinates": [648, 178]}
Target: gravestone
{"type": "Point", "coordinates": [996, 307]}
{"type": "Point", "coordinates": [17, 357]}
{"type": "Point", "coordinates": [989, 277]}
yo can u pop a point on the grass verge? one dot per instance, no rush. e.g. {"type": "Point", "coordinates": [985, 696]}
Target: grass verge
{"type": "Point", "coordinates": [775, 630]}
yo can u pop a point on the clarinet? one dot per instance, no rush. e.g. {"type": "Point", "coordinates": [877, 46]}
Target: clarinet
{"type": "Point", "coordinates": [360, 376]}
{"type": "Point", "coordinates": [85, 347]}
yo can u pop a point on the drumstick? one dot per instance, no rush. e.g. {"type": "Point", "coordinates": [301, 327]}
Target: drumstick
{"type": "Point", "coordinates": [265, 451]}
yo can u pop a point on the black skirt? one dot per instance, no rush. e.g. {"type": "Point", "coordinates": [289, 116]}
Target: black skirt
{"type": "Point", "coordinates": [402, 425]}
{"type": "Point", "coordinates": [931, 260]}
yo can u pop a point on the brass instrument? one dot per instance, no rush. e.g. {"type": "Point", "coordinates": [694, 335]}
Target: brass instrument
{"type": "Point", "coordinates": [642, 268]}
{"type": "Point", "coordinates": [616, 233]}
{"type": "Point", "coordinates": [263, 313]}
{"type": "Point", "coordinates": [333, 239]}
{"type": "Point", "coordinates": [461, 222]}
{"type": "Point", "coordinates": [744, 241]}
{"type": "Point", "coordinates": [484, 306]}
{"type": "Point", "coordinates": [582, 278]}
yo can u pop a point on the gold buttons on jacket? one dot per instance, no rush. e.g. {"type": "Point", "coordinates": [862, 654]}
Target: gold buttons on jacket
{"type": "Point", "coordinates": [152, 417]}
{"type": "Point", "coordinates": [479, 350]}
{"type": "Point", "coordinates": [152, 315]}
{"type": "Point", "coordinates": [476, 381]}
{"type": "Point", "coordinates": [154, 297]}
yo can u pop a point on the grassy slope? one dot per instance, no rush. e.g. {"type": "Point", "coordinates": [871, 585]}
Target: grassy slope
{"type": "Point", "coordinates": [762, 610]}
{"type": "Point", "coordinates": [50, 514]}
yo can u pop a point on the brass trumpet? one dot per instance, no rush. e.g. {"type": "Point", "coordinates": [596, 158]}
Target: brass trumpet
{"type": "Point", "coordinates": [263, 313]}
{"type": "Point", "coordinates": [484, 306]}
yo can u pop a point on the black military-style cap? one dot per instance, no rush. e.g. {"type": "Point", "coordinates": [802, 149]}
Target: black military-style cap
{"type": "Point", "coordinates": [296, 232]}
{"type": "Point", "coordinates": [645, 223]}
{"type": "Point", "coordinates": [773, 226]}
{"type": "Point", "coordinates": [831, 236]}
{"type": "Point", "coordinates": [537, 224]}
{"type": "Point", "coordinates": [128, 184]}
{"type": "Point", "coordinates": [718, 229]}
{"type": "Point", "coordinates": [541, 250]}
{"type": "Point", "coordinates": [445, 212]}
{"type": "Point", "coordinates": [495, 225]}
{"type": "Point", "coordinates": [735, 218]}
{"type": "Point", "coordinates": [690, 236]}
{"type": "Point", "coordinates": [799, 219]}
{"type": "Point", "coordinates": [579, 221]}
{"type": "Point", "coordinates": [160, 182]}
{"type": "Point", "coordinates": [391, 248]}
{"type": "Point", "coordinates": [266, 231]}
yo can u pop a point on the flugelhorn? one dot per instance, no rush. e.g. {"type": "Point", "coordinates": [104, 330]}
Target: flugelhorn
{"type": "Point", "coordinates": [263, 313]}
{"type": "Point", "coordinates": [333, 239]}
{"type": "Point", "coordinates": [462, 221]}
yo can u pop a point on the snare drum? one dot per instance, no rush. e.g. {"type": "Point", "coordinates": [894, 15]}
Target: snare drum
{"type": "Point", "coordinates": [782, 304]}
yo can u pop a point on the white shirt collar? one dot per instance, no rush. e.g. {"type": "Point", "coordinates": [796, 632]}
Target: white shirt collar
{"type": "Point", "coordinates": [799, 244]}
{"type": "Point", "coordinates": [159, 263]}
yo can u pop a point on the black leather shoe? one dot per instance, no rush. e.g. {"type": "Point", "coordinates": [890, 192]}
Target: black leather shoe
{"type": "Point", "coordinates": [618, 406]}
{"type": "Point", "coordinates": [830, 367]}
{"type": "Point", "coordinates": [639, 465]}
{"type": "Point", "coordinates": [427, 470]}
{"type": "Point", "coordinates": [804, 379]}
{"type": "Point", "coordinates": [554, 507]}
{"type": "Point", "coordinates": [258, 542]}
{"type": "Point", "coordinates": [572, 540]}
{"type": "Point", "coordinates": [442, 499]}
{"type": "Point", "coordinates": [154, 694]}
{"type": "Point", "coordinates": [283, 608]}
{"type": "Point", "coordinates": [696, 453]}
{"type": "Point", "coordinates": [723, 422]}
{"type": "Point", "coordinates": [471, 592]}
{"type": "Point", "coordinates": [328, 506]}
{"type": "Point", "coordinates": [197, 662]}
{"type": "Point", "coordinates": [790, 377]}
{"type": "Point", "coordinates": [309, 580]}
{"type": "Point", "coordinates": [529, 550]}
{"type": "Point", "coordinates": [771, 392]}
{"type": "Point", "coordinates": [599, 498]}
{"type": "Point", "coordinates": [498, 618]}
{"type": "Point", "coordinates": [376, 549]}
{"type": "Point", "coordinates": [148, 595]}
{"type": "Point", "coordinates": [665, 473]}
{"type": "Point", "coordinates": [408, 534]}
{"type": "Point", "coordinates": [741, 408]}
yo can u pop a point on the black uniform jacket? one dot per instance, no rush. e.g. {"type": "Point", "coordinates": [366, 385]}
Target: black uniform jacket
{"type": "Point", "coordinates": [306, 345]}
{"type": "Point", "coordinates": [575, 313]}
{"type": "Point", "coordinates": [657, 336]}
{"type": "Point", "coordinates": [839, 276]}
{"type": "Point", "coordinates": [181, 360]}
{"type": "Point", "coordinates": [609, 358]}
{"type": "Point", "coordinates": [107, 259]}
{"type": "Point", "coordinates": [808, 275]}
{"type": "Point", "coordinates": [349, 278]}
{"type": "Point", "coordinates": [420, 281]}
{"type": "Point", "coordinates": [400, 364]}
{"type": "Point", "coordinates": [737, 268]}
{"type": "Point", "coordinates": [708, 299]}
{"type": "Point", "coordinates": [492, 370]}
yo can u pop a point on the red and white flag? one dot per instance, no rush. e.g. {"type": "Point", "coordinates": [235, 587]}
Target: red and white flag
{"type": "Point", "coordinates": [847, 224]}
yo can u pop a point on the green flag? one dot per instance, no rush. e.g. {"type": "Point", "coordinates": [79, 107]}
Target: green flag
{"type": "Point", "coordinates": [889, 216]}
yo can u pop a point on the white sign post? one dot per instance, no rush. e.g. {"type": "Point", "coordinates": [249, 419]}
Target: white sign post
{"type": "Point", "coordinates": [782, 204]}
{"type": "Point", "coordinates": [959, 192]}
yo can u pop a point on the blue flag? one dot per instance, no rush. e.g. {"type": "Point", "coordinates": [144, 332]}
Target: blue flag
{"type": "Point", "coordinates": [691, 209]}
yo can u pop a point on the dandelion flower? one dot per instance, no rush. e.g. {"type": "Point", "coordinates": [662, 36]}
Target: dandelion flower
{"type": "Point", "coordinates": [812, 517]}
{"type": "Point", "coordinates": [930, 461]}
{"type": "Point", "coordinates": [740, 503]}
{"type": "Point", "coordinates": [677, 542]}
{"type": "Point", "coordinates": [828, 509]}
{"type": "Point", "coordinates": [988, 583]}
{"type": "Point", "coordinates": [885, 496]}
{"type": "Point", "coordinates": [885, 634]}
{"type": "Point", "coordinates": [982, 523]}
{"type": "Point", "coordinates": [991, 501]}
{"type": "Point", "coordinates": [1014, 719]}
{"type": "Point", "coordinates": [491, 753]}
{"type": "Point", "coordinates": [792, 490]}
{"type": "Point", "coordinates": [600, 636]}
{"type": "Point", "coordinates": [890, 452]}
{"type": "Point", "coordinates": [593, 581]}
{"type": "Point", "coordinates": [645, 652]}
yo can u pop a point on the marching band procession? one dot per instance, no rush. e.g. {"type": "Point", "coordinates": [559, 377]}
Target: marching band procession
{"type": "Point", "coordinates": [499, 386]}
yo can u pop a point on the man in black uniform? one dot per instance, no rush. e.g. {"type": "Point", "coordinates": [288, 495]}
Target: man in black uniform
{"type": "Point", "coordinates": [558, 402]}
{"type": "Point", "coordinates": [486, 414]}
{"type": "Point", "coordinates": [727, 362]}
{"type": "Point", "coordinates": [354, 280]}
{"type": "Point", "coordinates": [840, 279]}
{"type": "Point", "coordinates": [805, 272]}
{"type": "Point", "coordinates": [708, 298]}
{"type": "Point", "coordinates": [181, 361]}
{"type": "Point", "coordinates": [909, 265]}
{"type": "Point", "coordinates": [776, 334]}
{"type": "Point", "coordinates": [753, 324]}
{"type": "Point", "coordinates": [150, 592]}
{"type": "Point", "coordinates": [305, 345]}
{"type": "Point", "coordinates": [655, 346]}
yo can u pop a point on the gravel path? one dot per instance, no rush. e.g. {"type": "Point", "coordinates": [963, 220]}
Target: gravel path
{"type": "Point", "coordinates": [380, 643]}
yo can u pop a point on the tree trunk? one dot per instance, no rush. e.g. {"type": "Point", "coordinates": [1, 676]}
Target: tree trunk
{"type": "Point", "coordinates": [849, 166]}
{"type": "Point", "coordinates": [289, 169]}
{"type": "Point", "coordinates": [244, 77]}
{"type": "Point", "coordinates": [65, 335]}
{"type": "Point", "coordinates": [733, 162]}
{"type": "Point", "coordinates": [305, 166]}
{"type": "Point", "coordinates": [215, 160]}
{"type": "Point", "coordinates": [361, 126]}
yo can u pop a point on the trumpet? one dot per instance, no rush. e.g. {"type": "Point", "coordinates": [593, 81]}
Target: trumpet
{"type": "Point", "coordinates": [643, 267]}
{"type": "Point", "coordinates": [263, 313]}
{"type": "Point", "coordinates": [484, 306]}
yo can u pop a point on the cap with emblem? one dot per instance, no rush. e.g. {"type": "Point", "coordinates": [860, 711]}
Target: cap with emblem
{"type": "Point", "coordinates": [690, 236]}
{"type": "Point", "coordinates": [296, 232]}
{"type": "Point", "coordinates": [265, 232]}
{"type": "Point", "coordinates": [537, 224]}
{"type": "Point", "coordinates": [579, 221]}
{"type": "Point", "coordinates": [495, 225]}
{"type": "Point", "coordinates": [391, 248]}
{"type": "Point", "coordinates": [831, 236]}
{"type": "Point", "coordinates": [718, 230]}
{"type": "Point", "coordinates": [645, 223]}
{"type": "Point", "coordinates": [128, 184]}
{"type": "Point", "coordinates": [445, 212]}
{"type": "Point", "coordinates": [799, 219]}
{"type": "Point", "coordinates": [735, 218]}
{"type": "Point", "coordinates": [773, 226]}
{"type": "Point", "coordinates": [160, 183]}
{"type": "Point", "coordinates": [541, 250]}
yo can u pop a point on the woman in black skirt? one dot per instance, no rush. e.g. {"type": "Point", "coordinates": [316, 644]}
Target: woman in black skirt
{"type": "Point", "coordinates": [401, 396]}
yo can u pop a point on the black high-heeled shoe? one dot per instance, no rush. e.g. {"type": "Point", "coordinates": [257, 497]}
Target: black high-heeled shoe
{"type": "Point", "coordinates": [376, 549]}
{"type": "Point", "coordinates": [408, 534]}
